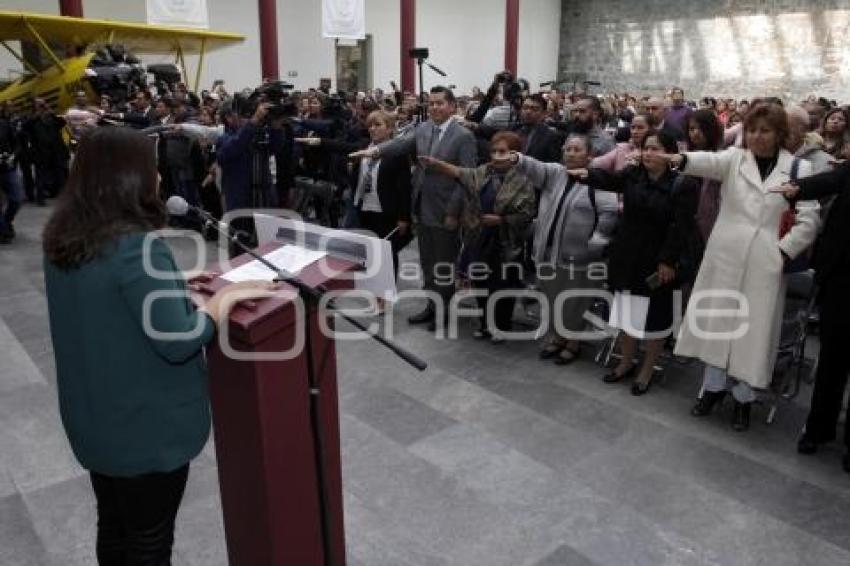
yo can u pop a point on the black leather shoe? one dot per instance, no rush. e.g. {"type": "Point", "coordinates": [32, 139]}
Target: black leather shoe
{"type": "Point", "coordinates": [613, 377]}
{"type": "Point", "coordinates": [426, 315]}
{"type": "Point", "coordinates": [741, 416]}
{"type": "Point", "coordinates": [707, 402]}
{"type": "Point", "coordinates": [807, 445]}
{"type": "Point", "coordinates": [845, 463]}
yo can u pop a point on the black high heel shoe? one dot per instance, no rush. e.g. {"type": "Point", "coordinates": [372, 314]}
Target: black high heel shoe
{"type": "Point", "coordinates": [639, 389]}
{"type": "Point", "coordinates": [614, 377]}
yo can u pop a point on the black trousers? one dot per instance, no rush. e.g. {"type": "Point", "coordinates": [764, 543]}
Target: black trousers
{"type": "Point", "coordinates": [135, 517]}
{"type": "Point", "coordinates": [50, 179]}
{"type": "Point", "coordinates": [503, 311]}
{"type": "Point", "coordinates": [834, 364]}
{"type": "Point", "coordinates": [438, 251]}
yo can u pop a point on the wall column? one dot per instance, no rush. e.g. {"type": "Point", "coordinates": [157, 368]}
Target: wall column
{"type": "Point", "coordinates": [73, 8]}
{"type": "Point", "coordinates": [267, 12]}
{"type": "Point", "coordinates": [511, 34]}
{"type": "Point", "coordinates": [408, 42]}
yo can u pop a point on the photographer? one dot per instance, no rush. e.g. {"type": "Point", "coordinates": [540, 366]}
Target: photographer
{"type": "Point", "coordinates": [538, 140]}
{"type": "Point", "coordinates": [506, 115]}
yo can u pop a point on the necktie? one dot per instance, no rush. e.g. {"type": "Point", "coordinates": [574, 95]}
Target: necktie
{"type": "Point", "coordinates": [435, 140]}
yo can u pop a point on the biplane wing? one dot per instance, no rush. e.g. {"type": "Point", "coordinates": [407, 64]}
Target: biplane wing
{"type": "Point", "coordinates": [142, 38]}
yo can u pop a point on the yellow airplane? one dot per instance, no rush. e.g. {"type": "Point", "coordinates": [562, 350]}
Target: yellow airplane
{"type": "Point", "coordinates": [94, 71]}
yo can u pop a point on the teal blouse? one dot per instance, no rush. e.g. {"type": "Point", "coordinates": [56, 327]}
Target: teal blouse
{"type": "Point", "coordinates": [130, 365]}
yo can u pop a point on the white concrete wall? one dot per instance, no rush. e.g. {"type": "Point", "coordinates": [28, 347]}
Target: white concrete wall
{"type": "Point", "coordinates": [466, 38]}
{"type": "Point", "coordinates": [539, 39]}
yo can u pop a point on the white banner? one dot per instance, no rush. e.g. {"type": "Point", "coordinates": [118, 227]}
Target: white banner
{"type": "Point", "coordinates": [344, 19]}
{"type": "Point", "coordinates": [178, 13]}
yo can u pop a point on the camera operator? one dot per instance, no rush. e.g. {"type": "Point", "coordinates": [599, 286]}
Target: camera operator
{"type": "Point", "coordinates": [337, 123]}
{"type": "Point", "coordinates": [243, 154]}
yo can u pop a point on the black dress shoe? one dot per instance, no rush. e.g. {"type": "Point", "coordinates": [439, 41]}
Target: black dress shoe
{"type": "Point", "coordinates": [741, 416]}
{"type": "Point", "coordinates": [707, 402]}
{"type": "Point", "coordinates": [613, 377]}
{"type": "Point", "coordinates": [426, 315]}
{"type": "Point", "coordinates": [807, 445]}
{"type": "Point", "coordinates": [845, 463]}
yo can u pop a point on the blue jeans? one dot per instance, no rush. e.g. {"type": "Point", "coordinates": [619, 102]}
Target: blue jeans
{"type": "Point", "coordinates": [10, 184]}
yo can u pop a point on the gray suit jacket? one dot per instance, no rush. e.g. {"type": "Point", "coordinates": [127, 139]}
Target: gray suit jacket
{"type": "Point", "coordinates": [435, 196]}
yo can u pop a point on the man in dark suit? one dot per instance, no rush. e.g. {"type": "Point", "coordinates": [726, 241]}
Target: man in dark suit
{"type": "Point", "coordinates": [540, 141]}
{"type": "Point", "coordinates": [657, 108]}
{"type": "Point", "coordinates": [437, 200]}
{"type": "Point", "coordinates": [831, 262]}
{"type": "Point", "coordinates": [143, 114]}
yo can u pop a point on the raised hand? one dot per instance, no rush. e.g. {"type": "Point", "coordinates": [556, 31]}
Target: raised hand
{"type": "Point", "coordinates": [580, 174]}
{"type": "Point", "coordinates": [311, 141]}
{"type": "Point", "coordinates": [426, 161]}
{"type": "Point", "coordinates": [491, 219]}
{"type": "Point", "coordinates": [368, 153]}
{"type": "Point", "coordinates": [788, 190]}
{"type": "Point", "coordinates": [666, 274]}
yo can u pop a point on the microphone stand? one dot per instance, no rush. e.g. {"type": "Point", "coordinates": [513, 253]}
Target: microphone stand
{"type": "Point", "coordinates": [314, 295]}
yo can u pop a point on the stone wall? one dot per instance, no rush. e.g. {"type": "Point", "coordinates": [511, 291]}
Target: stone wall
{"type": "Point", "coordinates": [785, 48]}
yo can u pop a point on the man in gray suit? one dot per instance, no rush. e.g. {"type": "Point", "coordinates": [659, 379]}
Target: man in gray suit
{"type": "Point", "coordinates": [437, 199]}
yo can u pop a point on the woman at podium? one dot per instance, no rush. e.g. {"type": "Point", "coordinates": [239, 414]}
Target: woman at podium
{"type": "Point", "coordinates": [128, 343]}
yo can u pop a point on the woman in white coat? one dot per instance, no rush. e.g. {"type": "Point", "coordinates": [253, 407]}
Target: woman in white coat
{"type": "Point", "coordinates": [741, 277]}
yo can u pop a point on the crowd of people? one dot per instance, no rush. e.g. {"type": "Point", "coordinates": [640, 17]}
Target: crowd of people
{"type": "Point", "coordinates": [665, 204]}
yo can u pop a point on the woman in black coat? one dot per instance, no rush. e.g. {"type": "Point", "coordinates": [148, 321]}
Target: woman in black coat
{"type": "Point", "coordinates": [646, 257]}
{"type": "Point", "coordinates": [382, 186]}
{"type": "Point", "coordinates": [832, 270]}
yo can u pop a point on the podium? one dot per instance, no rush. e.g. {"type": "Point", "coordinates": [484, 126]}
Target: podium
{"type": "Point", "coordinates": [263, 436]}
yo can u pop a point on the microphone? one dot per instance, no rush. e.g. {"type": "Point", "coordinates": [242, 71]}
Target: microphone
{"type": "Point", "coordinates": [177, 206]}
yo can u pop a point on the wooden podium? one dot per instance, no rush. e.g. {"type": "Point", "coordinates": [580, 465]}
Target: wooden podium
{"type": "Point", "coordinates": [263, 437]}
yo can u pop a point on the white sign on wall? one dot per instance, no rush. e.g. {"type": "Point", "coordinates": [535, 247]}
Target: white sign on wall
{"type": "Point", "coordinates": [344, 19]}
{"type": "Point", "coordinates": [178, 13]}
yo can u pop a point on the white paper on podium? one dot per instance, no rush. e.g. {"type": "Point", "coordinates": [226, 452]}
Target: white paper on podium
{"type": "Point", "coordinates": [379, 277]}
{"type": "Point", "coordinates": [291, 259]}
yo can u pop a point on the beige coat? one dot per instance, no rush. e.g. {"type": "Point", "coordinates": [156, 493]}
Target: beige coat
{"type": "Point", "coordinates": [743, 255]}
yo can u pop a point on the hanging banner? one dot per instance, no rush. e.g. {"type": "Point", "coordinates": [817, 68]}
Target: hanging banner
{"type": "Point", "coordinates": [178, 13]}
{"type": "Point", "coordinates": [344, 19]}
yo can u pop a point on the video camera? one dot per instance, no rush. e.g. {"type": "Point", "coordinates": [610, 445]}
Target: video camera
{"type": "Point", "coordinates": [276, 93]}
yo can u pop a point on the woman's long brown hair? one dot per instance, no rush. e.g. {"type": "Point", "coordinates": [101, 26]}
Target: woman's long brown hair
{"type": "Point", "coordinates": [111, 191]}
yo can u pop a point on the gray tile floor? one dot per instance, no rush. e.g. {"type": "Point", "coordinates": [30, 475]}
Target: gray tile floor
{"type": "Point", "coordinates": [490, 458]}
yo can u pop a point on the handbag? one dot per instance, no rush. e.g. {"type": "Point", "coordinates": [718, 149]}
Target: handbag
{"type": "Point", "coordinates": [789, 218]}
